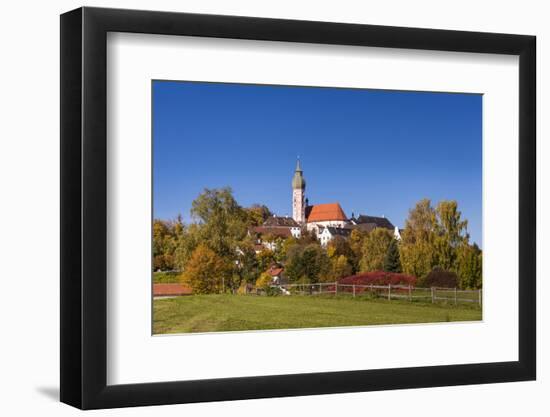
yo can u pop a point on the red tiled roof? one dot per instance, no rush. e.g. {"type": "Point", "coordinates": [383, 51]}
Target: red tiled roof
{"type": "Point", "coordinates": [170, 289]}
{"type": "Point", "coordinates": [278, 221]}
{"type": "Point", "coordinates": [325, 212]}
{"type": "Point", "coordinates": [275, 271]}
{"type": "Point", "coordinates": [259, 247]}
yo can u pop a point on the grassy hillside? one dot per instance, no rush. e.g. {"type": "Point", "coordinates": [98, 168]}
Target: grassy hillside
{"type": "Point", "coordinates": [212, 313]}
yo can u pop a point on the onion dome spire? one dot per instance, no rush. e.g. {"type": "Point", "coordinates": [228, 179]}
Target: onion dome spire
{"type": "Point", "coordinates": [298, 181]}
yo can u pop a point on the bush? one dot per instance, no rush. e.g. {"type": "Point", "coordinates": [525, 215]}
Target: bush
{"type": "Point", "coordinates": [169, 277]}
{"type": "Point", "coordinates": [440, 278]}
{"type": "Point", "coordinates": [246, 288]}
{"type": "Point", "coordinates": [264, 281]}
{"type": "Point", "coordinates": [379, 278]}
{"type": "Point", "coordinates": [272, 291]}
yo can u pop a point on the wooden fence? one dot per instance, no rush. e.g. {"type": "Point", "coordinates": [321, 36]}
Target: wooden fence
{"type": "Point", "coordinates": [390, 292]}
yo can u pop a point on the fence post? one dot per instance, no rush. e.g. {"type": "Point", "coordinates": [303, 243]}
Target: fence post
{"type": "Point", "coordinates": [389, 292]}
{"type": "Point", "coordinates": [432, 294]}
{"type": "Point", "coordinates": [410, 293]}
{"type": "Point", "coordinates": [336, 288]}
{"type": "Point", "coordinates": [479, 291]}
{"type": "Point", "coordinates": [455, 297]}
{"type": "Point", "coordinates": [353, 290]}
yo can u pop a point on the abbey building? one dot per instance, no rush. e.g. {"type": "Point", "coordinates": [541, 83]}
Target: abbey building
{"type": "Point", "coordinates": [326, 220]}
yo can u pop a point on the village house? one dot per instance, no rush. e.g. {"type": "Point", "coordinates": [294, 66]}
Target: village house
{"type": "Point", "coordinates": [327, 233]}
{"type": "Point", "coordinates": [369, 223]}
{"type": "Point", "coordinates": [276, 271]}
{"type": "Point", "coordinates": [265, 236]}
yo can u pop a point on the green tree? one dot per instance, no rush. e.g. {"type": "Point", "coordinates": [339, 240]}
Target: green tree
{"type": "Point", "coordinates": [339, 246]}
{"type": "Point", "coordinates": [307, 263]}
{"type": "Point", "coordinates": [190, 238]}
{"type": "Point", "coordinates": [223, 221]}
{"type": "Point", "coordinates": [286, 245]}
{"type": "Point", "coordinates": [265, 259]}
{"type": "Point", "coordinates": [375, 246]}
{"type": "Point", "coordinates": [206, 271]}
{"type": "Point", "coordinates": [392, 262]}
{"type": "Point", "coordinates": [246, 265]}
{"type": "Point", "coordinates": [307, 237]}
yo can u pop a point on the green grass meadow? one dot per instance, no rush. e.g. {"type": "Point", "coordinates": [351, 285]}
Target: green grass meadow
{"type": "Point", "coordinates": [222, 313]}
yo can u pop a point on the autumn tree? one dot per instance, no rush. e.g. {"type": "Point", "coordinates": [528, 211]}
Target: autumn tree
{"type": "Point", "coordinates": [206, 272]}
{"type": "Point", "coordinates": [356, 240]}
{"type": "Point", "coordinates": [257, 214]}
{"type": "Point", "coordinates": [437, 239]}
{"type": "Point", "coordinates": [160, 237]}
{"type": "Point", "coordinates": [166, 236]}
{"type": "Point", "coordinates": [264, 281]}
{"type": "Point", "coordinates": [374, 249]}
{"type": "Point", "coordinates": [340, 267]}
{"type": "Point", "coordinates": [470, 267]}
{"type": "Point", "coordinates": [341, 259]}
{"type": "Point", "coordinates": [450, 235]}
{"type": "Point", "coordinates": [417, 249]}
{"type": "Point", "coordinates": [392, 262]}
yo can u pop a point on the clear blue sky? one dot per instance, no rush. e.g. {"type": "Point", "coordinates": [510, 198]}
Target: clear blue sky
{"type": "Point", "coordinates": [375, 152]}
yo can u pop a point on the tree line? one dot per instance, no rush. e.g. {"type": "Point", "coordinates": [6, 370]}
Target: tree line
{"type": "Point", "coordinates": [216, 253]}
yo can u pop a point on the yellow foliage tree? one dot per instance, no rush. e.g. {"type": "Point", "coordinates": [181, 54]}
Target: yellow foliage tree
{"type": "Point", "coordinates": [264, 281]}
{"type": "Point", "coordinates": [417, 240]}
{"type": "Point", "coordinates": [341, 267]}
{"type": "Point", "coordinates": [375, 246]}
{"type": "Point", "coordinates": [206, 272]}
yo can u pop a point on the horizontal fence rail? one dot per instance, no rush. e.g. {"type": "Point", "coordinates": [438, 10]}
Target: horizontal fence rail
{"type": "Point", "coordinates": [390, 292]}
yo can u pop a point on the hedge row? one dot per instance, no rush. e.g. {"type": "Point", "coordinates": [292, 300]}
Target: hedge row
{"type": "Point", "coordinates": [379, 278]}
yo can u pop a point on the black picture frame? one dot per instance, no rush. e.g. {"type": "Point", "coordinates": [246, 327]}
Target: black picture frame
{"type": "Point", "coordinates": [84, 207]}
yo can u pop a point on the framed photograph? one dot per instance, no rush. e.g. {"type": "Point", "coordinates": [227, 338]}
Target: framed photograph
{"type": "Point", "coordinates": [257, 208]}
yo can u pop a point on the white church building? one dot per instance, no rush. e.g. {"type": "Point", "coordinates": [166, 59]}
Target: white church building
{"type": "Point", "coordinates": [326, 220]}
{"type": "Point", "coordinates": [329, 220]}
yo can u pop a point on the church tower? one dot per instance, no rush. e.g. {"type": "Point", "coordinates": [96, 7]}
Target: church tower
{"type": "Point", "coordinates": [298, 195]}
